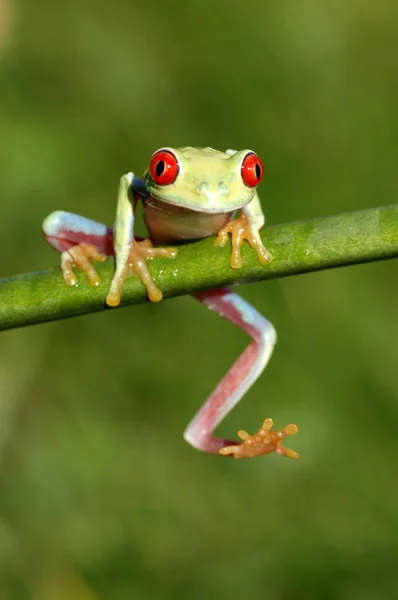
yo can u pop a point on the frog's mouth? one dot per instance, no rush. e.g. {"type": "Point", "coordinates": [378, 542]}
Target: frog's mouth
{"type": "Point", "coordinates": [179, 209]}
{"type": "Point", "coordinates": [176, 205]}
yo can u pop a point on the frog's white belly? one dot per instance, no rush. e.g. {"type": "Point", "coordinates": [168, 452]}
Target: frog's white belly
{"type": "Point", "coordinates": [167, 223]}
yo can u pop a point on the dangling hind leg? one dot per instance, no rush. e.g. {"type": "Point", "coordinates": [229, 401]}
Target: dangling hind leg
{"type": "Point", "coordinates": [243, 373]}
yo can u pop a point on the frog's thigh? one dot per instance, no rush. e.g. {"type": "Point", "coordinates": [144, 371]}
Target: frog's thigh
{"type": "Point", "coordinates": [63, 230]}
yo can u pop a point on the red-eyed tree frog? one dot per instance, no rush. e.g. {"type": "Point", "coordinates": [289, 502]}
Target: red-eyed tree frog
{"type": "Point", "coordinates": [187, 193]}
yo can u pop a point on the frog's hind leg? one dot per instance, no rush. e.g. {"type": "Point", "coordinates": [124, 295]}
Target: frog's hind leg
{"type": "Point", "coordinates": [63, 230]}
{"type": "Point", "coordinates": [236, 382]}
{"type": "Point", "coordinates": [79, 240]}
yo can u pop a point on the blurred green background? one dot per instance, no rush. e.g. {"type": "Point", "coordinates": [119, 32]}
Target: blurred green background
{"type": "Point", "coordinates": [100, 497]}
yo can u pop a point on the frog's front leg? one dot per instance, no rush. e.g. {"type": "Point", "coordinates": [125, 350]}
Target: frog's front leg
{"type": "Point", "coordinates": [246, 226]}
{"type": "Point", "coordinates": [81, 240]}
{"type": "Point", "coordinates": [236, 382]}
{"type": "Point", "coordinates": [130, 254]}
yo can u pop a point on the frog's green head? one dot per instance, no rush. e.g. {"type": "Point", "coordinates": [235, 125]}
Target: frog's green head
{"type": "Point", "coordinates": [203, 179]}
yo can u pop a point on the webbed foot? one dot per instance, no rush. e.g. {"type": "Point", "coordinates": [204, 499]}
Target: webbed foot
{"type": "Point", "coordinates": [139, 253]}
{"type": "Point", "coordinates": [80, 256]}
{"type": "Point", "coordinates": [263, 442]}
{"type": "Point", "coordinates": [240, 229]}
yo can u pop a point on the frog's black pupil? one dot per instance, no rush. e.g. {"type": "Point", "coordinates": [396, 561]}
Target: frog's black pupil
{"type": "Point", "coordinates": [258, 171]}
{"type": "Point", "coordinates": [159, 168]}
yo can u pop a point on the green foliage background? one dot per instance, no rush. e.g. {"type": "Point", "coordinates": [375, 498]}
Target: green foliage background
{"type": "Point", "coordinates": [100, 497]}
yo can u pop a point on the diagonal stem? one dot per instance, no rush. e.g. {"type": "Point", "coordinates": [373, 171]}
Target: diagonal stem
{"type": "Point", "coordinates": [299, 247]}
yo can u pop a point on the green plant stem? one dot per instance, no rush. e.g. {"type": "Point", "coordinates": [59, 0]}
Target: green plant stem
{"type": "Point", "coordinates": [298, 247]}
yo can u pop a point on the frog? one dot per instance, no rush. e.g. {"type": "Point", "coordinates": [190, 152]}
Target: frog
{"type": "Point", "coordinates": [187, 194]}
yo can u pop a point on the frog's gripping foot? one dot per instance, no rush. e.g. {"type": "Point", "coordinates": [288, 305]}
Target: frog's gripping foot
{"type": "Point", "coordinates": [136, 261]}
{"type": "Point", "coordinates": [80, 256]}
{"type": "Point", "coordinates": [263, 442]}
{"type": "Point", "coordinates": [240, 229]}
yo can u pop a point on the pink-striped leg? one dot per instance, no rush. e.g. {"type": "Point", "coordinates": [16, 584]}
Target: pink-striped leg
{"type": "Point", "coordinates": [63, 230]}
{"type": "Point", "coordinates": [79, 240]}
{"type": "Point", "coordinates": [236, 382]}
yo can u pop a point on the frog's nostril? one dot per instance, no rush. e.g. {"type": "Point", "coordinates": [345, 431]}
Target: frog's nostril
{"type": "Point", "coordinates": [223, 189]}
{"type": "Point", "coordinates": [210, 193]}
{"type": "Point", "coordinates": [203, 187]}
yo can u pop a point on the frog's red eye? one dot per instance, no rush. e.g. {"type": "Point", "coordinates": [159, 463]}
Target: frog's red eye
{"type": "Point", "coordinates": [252, 170]}
{"type": "Point", "coordinates": [164, 167]}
